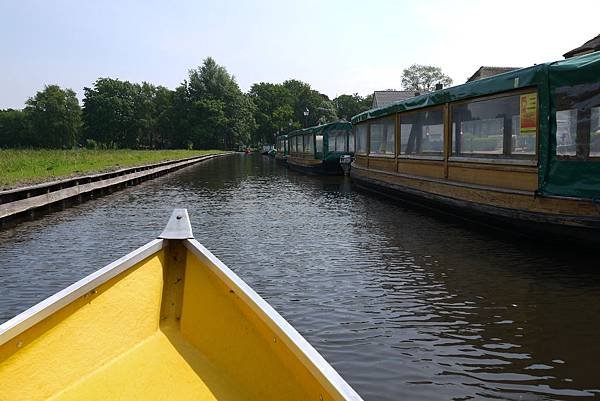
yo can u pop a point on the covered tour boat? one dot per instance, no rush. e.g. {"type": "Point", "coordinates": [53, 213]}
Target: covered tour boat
{"type": "Point", "coordinates": [522, 148]}
{"type": "Point", "coordinates": [318, 149]}
{"type": "Point", "coordinates": [169, 321]}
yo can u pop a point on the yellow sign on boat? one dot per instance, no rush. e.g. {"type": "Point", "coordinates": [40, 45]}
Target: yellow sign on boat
{"type": "Point", "coordinates": [528, 114]}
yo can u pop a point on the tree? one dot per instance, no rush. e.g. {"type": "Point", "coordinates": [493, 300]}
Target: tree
{"type": "Point", "coordinates": [282, 107]}
{"type": "Point", "coordinates": [55, 117]}
{"type": "Point", "coordinates": [164, 116]}
{"type": "Point", "coordinates": [124, 114]}
{"type": "Point", "coordinates": [221, 115]}
{"type": "Point", "coordinates": [320, 109]}
{"type": "Point", "coordinates": [350, 105]}
{"type": "Point", "coordinates": [144, 114]}
{"type": "Point", "coordinates": [423, 78]}
{"type": "Point", "coordinates": [109, 113]}
{"type": "Point", "coordinates": [273, 110]}
{"type": "Point", "coordinates": [15, 129]}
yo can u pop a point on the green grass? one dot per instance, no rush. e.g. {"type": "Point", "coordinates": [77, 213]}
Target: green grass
{"type": "Point", "coordinates": [19, 167]}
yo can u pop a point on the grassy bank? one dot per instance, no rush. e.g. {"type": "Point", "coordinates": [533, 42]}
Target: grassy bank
{"type": "Point", "coordinates": [20, 167]}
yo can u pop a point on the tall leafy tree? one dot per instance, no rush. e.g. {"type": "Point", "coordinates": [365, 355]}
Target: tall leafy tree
{"type": "Point", "coordinates": [274, 110]}
{"type": "Point", "coordinates": [55, 117]}
{"type": "Point", "coordinates": [15, 129]}
{"type": "Point", "coordinates": [164, 117]}
{"type": "Point", "coordinates": [109, 113]}
{"type": "Point", "coordinates": [305, 99]}
{"type": "Point", "coordinates": [423, 78]}
{"type": "Point", "coordinates": [144, 118]}
{"type": "Point", "coordinates": [288, 106]}
{"type": "Point", "coordinates": [350, 105]}
{"type": "Point", "coordinates": [220, 115]}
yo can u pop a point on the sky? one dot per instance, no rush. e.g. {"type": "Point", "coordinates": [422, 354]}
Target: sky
{"type": "Point", "coordinates": [338, 47]}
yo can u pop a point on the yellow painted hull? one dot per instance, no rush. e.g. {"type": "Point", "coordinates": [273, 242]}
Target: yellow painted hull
{"type": "Point", "coordinates": [176, 325]}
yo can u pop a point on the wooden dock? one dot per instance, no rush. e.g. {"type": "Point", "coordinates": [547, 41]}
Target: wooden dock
{"type": "Point", "coordinates": [23, 202]}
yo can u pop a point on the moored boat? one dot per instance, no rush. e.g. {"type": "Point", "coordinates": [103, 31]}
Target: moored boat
{"type": "Point", "coordinates": [521, 148]}
{"type": "Point", "coordinates": [167, 321]}
{"type": "Point", "coordinates": [319, 149]}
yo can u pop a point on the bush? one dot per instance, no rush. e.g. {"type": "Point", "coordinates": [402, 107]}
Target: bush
{"type": "Point", "coordinates": [91, 144]}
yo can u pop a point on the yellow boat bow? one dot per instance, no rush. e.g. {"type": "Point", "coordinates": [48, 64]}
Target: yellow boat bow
{"type": "Point", "coordinates": [169, 321]}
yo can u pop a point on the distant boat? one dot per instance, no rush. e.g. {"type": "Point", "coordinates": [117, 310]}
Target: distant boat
{"type": "Point", "coordinates": [268, 150]}
{"type": "Point", "coordinates": [319, 149]}
{"type": "Point", "coordinates": [167, 321]}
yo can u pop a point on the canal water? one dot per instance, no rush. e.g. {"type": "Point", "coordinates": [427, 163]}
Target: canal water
{"type": "Point", "coordinates": [405, 305]}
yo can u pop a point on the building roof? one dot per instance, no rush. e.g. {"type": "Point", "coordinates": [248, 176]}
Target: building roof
{"type": "Point", "coordinates": [387, 97]}
{"type": "Point", "coordinates": [487, 71]}
{"type": "Point", "coordinates": [590, 46]}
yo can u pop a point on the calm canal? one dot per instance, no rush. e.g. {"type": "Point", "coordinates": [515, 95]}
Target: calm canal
{"type": "Point", "coordinates": [406, 306]}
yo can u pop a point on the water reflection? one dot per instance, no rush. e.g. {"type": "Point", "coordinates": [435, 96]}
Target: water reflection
{"type": "Point", "coordinates": [404, 305]}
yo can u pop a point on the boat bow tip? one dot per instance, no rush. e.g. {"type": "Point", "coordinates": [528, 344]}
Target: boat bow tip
{"type": "Point", "coordinates": [178, 226]}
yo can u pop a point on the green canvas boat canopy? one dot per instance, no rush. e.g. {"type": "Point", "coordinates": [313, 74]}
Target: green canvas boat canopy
{"type": "Point", "coordinates": [337, 125]}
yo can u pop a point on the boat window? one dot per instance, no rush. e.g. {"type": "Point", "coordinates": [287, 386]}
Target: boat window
{"type": "Point", "coordinates": [422, 132]}
{"type": "Point", "coordinates": [340, 142]}
{"type": "Point", "coordinates": [383, 138]}
{"type": "Point", "coordinates": [319, 143]}
{"type": "Point", "coordinates": [595, 132]}
{"type": "Point", "coordinates": [503, 126]}
{"type": "Point", "coordinates": [360, 133]}
{"type": "Point", "coordinates": [331, 137]}
{"type": "Point", "coordinates": [308, 143]}
{"type": "Point", "coordinates": [337, 141]}
{"type": "Point", "coordinates": [578, 121]}
{"type": "Point", "coordinates": [350, 141]}
{"type": "Point", "coordinates": [566, 132]}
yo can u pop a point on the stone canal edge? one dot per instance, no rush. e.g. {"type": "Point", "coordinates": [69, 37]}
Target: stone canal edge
{"type": "Point", "coordinates": [22, 202]}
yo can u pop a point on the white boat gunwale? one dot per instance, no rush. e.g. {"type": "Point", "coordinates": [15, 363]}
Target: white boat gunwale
{"type": "Point", "coordinates": [306, 353]}
{"type": "Point", "coordinates": [54, 303]}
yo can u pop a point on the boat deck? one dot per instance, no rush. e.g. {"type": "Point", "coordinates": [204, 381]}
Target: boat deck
{"type": "Point", "coordinates": [162, 367]}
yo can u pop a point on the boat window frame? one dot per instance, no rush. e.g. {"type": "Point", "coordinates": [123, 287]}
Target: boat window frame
{"type": "Point", "coordinates": [367, 126]}
{"type": "Point", "coordinates": [381, 120]}
{"type": "Point", "coordinates": [306, 139]}
{"type": "Point", "coordinates": [582, 151]}
{"type": "Point", "coordinates": [316, 153]}
{"type": "Point", "coordinates": [526, 159]}
{"type": "Point", "coordinates": [331, 134]}
{"type": "Point", "coordinates": [427, 155]}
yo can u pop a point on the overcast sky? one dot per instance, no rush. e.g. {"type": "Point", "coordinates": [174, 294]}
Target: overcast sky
{"type": "Point", "coordinates": [338, 47]}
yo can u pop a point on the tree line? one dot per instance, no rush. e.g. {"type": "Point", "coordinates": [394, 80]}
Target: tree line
{"type": "Point", "coordinates": [207, 110]}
